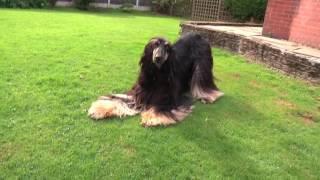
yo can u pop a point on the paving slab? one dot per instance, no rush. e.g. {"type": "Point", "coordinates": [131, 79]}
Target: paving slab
{"type": "Point", "coordinates": [256, 34]}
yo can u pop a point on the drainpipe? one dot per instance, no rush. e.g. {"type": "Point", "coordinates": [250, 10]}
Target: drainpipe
{"type": "Point", "coordinates": [137, 4]}
{"type": "Point", "coordinates": [108, 3]}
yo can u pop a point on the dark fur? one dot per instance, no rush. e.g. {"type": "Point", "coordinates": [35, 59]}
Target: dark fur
{"type": "Point", "coordinates": [189, 61]}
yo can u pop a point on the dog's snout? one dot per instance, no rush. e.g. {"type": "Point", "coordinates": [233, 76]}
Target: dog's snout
{"type": "Point", "coordinates": [157, 59]}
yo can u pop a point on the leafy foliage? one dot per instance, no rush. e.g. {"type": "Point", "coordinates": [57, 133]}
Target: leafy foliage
{"type": "Point", "coordinates": [23, 3]}
{"type": "Point", "coordinates": [172, 7]}
{"type": "Point", "coordinates": [127, 6]}
{"type": "Point", "coordinates": [82, 4]}
{"type": "Point", "coordinates": [247, 9]}
{"type": "Point", "coordinates": [52, 3]}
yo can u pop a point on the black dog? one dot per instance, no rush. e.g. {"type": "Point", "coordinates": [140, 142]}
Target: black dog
{"type": "Point", "coordinates": [169, 75]}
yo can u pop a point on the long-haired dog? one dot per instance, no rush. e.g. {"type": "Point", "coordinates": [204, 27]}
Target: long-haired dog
{"type": "Point", "coordinates": [170, 76]}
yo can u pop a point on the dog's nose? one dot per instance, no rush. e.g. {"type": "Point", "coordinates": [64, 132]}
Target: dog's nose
{"type": "Point", "coordinates": [157, 59]}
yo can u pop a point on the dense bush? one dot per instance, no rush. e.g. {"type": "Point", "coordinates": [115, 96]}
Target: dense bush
{"type": "Point", "coordinates": [52, 3]}
{"type": "Point", "coordinates": [24, 3]}
{"type": "Point", "coordinates": [82, 4]}
{"type": "Point", "coordinates": [127, 5]}
{"type": "Point", "coordinates": [172, 7]}
{"type": "Point", "coordinates": [247, 9]}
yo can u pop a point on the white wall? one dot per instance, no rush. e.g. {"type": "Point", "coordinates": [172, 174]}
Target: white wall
{"type": "Point", "coordinates": [104, 5]}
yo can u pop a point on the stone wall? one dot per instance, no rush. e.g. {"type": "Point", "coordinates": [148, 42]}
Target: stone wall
{"type": "Point", "coordinates": [218, 39]}
{"type": "Point", "coordinates": [295, 64]}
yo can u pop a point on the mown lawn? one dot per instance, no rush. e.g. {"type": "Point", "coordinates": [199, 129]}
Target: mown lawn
{"type": "Point", "coordinates": [54, 63]}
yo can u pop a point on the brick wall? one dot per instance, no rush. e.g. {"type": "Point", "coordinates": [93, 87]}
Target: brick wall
{"type": "Point", "coordinates": [295, 20]}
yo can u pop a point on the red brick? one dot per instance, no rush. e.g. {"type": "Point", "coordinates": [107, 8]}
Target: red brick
{"type": "Point", "coordinates": [295, 20]}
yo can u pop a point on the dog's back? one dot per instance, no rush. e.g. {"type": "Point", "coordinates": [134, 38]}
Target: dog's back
{"type": "Point", "coordinates": [191, 45]}
{"type": "Point", "coordinates": [193, 60]}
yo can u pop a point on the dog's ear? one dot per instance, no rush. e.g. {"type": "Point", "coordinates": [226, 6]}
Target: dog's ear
{"type": "Point", "coordinates": [145, 54]}
{"type": "Point", "coordinates": [142, 60]}
{"type": "Point", "coordinates": [168, 46]}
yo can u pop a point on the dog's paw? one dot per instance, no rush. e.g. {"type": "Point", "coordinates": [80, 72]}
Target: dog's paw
{"type": "Point", "coordinates": [152, 119]}
{"type": "Point", "coordinates": [212, 97]}
{"type": "Point", "coordinates": [100, 109]}
{"type": "Point", "coordinates": [157, 121]}
{"type": "Point", "coordinates": [181, 112]}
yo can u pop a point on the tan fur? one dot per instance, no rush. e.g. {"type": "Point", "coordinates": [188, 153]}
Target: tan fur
{"type": "Point", "coordinates": [181, 113]}
{"type": "Point", "coordinates": [124, 96]}
{"type": "Point", "coordinates": [206, 97]}
{"type": "Point", "coordinates": [199, 93]}
{"type": "Point", "coordinates": [150, 118]}
{"type": "Point", "coordinates": [105, 108]}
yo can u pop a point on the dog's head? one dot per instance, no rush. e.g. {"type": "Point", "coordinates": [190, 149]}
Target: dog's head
{"type": "Point", "coordinates": [157, 51]}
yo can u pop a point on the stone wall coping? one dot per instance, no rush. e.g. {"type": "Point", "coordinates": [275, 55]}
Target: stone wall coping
{"type": "Point", "coordinates": [221, 23]}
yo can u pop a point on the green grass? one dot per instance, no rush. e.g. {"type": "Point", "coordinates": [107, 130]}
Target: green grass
{"type": "Point", "coordinates": [54, 63]}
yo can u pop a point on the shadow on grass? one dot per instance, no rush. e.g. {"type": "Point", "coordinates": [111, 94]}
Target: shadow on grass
{"type": "Point", "coordinates": [115, 120]}
{"type": "Point", "coordinates": [208, 129]}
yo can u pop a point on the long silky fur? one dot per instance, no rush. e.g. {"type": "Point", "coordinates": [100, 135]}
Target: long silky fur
{"type": "Point", "coordinates": [168, 91]}
{"type": "Point", "coordinates": [188, 69]}
{"type": "Point", "coordinates": [119, 105]}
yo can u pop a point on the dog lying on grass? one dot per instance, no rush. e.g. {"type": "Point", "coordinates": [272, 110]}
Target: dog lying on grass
{"type": "Point", "coordinates": [171, 76]}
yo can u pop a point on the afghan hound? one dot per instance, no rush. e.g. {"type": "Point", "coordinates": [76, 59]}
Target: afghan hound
{"type": "Point", "coordinates": [170, 77]}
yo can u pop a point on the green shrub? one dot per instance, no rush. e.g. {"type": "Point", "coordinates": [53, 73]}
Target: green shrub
{"type": "Point", "coordinates": [172, 7]}
{"type": "Point", "coordinates": [183, 8]}
{"type": "Point", "coordinates": [161, 6]}
{"type": "Point", "coordinates": [24, 3]}
{"type": "Point", "coordinates": [52, 3]}
{"type": "Point", "coordinates": [247, 9]}
{"type": "Point", "coordinates": [82, 4]}
{"type": "Point", "coordinates": [127, 5]}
